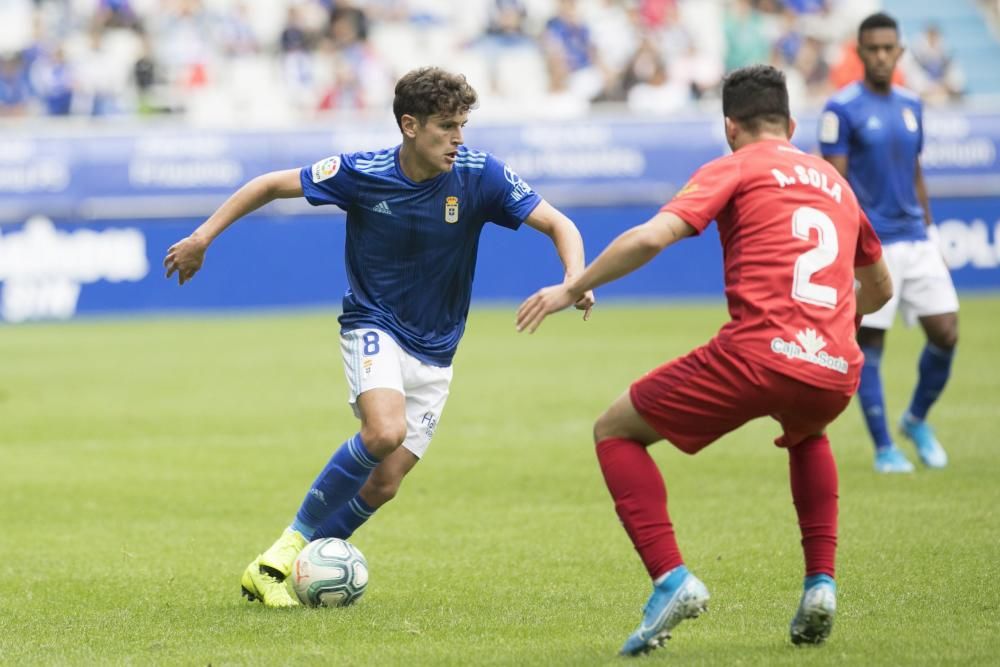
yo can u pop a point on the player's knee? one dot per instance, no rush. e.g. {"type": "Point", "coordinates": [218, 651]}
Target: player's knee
{"type": "Point", "coordinates": [946, 339]}
{"type": "Point", "coordinates": [383, 439]}
{"type": "Point", "coordinates": [871, 338]}
{"type": "Point", "coordinates": [603, 428]}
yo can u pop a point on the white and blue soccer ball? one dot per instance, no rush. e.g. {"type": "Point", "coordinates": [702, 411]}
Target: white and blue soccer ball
{"type": "Point", "coordinates": [330, 573]}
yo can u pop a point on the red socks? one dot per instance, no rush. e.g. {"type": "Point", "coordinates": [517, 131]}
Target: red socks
{"type": "Point", "coordinates": [813, 475]}
{"type": "Point", "coordinates": [640, 499]}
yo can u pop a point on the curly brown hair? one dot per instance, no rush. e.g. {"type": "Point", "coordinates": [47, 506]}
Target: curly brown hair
{"type": "Point", "coordinates": [426, 91]}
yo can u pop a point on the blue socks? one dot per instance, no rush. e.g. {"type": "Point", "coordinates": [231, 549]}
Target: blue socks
{"type": "Point", "coordinates": [814, 579]}
{"type": "Point", "coordinates": [345, 520]}
{"type": "Point", "coordinates": [673, 578]}
{"type": "Point", "coordinates": [339, 482]}
{"type": "Point", "coordinates": [872, 400]}
{"type": "Point", "coordinates": [935, 368]}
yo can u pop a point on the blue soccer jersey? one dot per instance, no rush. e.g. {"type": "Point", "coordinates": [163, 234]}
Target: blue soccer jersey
{"type": "Point", "coordinates": [882, 136]}
{"type": "Point", "coordinates": [411, 247]}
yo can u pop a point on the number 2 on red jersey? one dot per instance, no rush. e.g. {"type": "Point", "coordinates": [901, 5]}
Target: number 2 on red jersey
{"type": "Point", "coordinates": [804, 220]}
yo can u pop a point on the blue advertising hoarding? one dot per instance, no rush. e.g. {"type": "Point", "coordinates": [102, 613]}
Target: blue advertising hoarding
{"type": "Point", "coordinates": [85, 220]}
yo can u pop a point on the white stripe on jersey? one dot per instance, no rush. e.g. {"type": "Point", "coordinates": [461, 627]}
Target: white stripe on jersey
{"type": "Point", "coordinates": [378, 160]}
{"type": "Point", "coordinates": [847, 94]}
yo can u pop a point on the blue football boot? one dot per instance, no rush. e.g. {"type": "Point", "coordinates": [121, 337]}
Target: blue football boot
{"type": "Point", "coordinates": [679, 596]}
{"type": "Point", "coordinates": [929, 450]}
{"type": "Point", "coordinates": [814, 618]}
{"type": "Point", "coordinates": [891, 460]}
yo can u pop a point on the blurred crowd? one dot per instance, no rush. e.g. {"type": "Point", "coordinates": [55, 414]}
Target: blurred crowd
{"type": "Point", "coordinates": [280, 61]}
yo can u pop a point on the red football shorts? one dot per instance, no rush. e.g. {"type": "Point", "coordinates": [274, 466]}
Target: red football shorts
{"type": "Point", "coordinates": [694, 400]}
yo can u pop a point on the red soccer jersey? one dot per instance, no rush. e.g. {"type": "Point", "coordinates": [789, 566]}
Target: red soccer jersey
{"type": "Point", "coordinates": [792, 233]}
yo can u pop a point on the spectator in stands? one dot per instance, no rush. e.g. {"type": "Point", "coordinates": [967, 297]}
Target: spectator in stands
{"type": "Point", "coordinates": [657, 14]}
{"type": "Point", "coordinates": [568, 46]}
{"type": "Point", "coordinates": [52, 81]}
{"type": "Point", "coordinates": [100, 75]}
{"type": "Point", "coordinates": [294, 36]}
{"type": "Point", "coordinates": [184, 44]}
{"type": "Point", "coordinates": [144, 76]}
{"type": "Point", "coordinates": [347, 92]}
{"type": "Point", "coordinates": [360, 79]}
{"type": "Point", "coordinates": [560, 100]}
{"type": "Point", "coordinates": [615, 30]}
{"type": "Point", "coordinates": [746, 37]}
{"type": "Point", "coordinates": [806, 6]}
{"type": "Point", "coordinates": [349, 32]}
{"type": "Point", "coordinates": [116, 14]}
{"type": "Point", "coordinates": [789, 41]}
{"type": "Point", "coordinates": [235, 32]}
{"type": "Point", "coordinates": [674, 39]}
{"type": "Point", "coordinates": [505, 39]}
{"type": "Point", "coordinates": [937, 77]}
{"type": "Point", "coordinates": [807, 76]}
{"type": "Point", "coordinates": [505, 24]}
{"type": "Point", "coordinates": [649, 88]}
{"type": "Point", "coordinates": [814, 70]}
{"type": "Point", "coordinates": [698, 71]}
{"type": "Point", "coordinates": [325, 59]}
{"type": "Point", "coordinates": [15, 94]}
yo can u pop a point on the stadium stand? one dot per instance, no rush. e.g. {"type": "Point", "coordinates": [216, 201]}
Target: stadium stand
{"type": "Point", "coordinates": [970, 40]}
{"type": "Point", "coordinates": [275, 63]}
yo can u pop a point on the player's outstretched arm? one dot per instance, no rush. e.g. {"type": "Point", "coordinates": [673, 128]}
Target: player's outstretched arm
{"type": "Point", "coordinates": [875, 288]}
{"type": "Point", "coordinates": [625, 254]}
{"type": "Point", "coordinates": [187, 255]}
{"type": "Point", "coordinates": [569, 245]}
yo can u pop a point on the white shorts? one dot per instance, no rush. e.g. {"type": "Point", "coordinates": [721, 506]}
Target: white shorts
{"type": "Point", "coordinates": [921, 284]}
{"type": "Point", "coordinates": [372, 359]}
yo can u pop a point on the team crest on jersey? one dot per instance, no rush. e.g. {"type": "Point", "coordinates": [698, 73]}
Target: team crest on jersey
{"type": "Point", "coordinates": [910, 119]}
{"type": "Point", "coordinates": [451, 210]}
{"type": "Point", "coordinates": [325, 169]}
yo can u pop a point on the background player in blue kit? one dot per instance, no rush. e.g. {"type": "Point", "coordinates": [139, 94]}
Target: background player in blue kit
{"type": "Point", "coordinates": [414, 216]}
{"type": "Point", "coordinates": [872, 132]}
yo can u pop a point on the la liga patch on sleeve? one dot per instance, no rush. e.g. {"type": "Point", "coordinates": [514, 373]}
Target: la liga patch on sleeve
{"type": "Point", "coordinates": [325, 169]}
{"type": "Point", "coordinates": [829, 127]}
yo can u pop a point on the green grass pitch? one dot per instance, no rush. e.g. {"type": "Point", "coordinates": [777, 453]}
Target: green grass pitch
{"type": "Point", "coordinates": [144, 463]}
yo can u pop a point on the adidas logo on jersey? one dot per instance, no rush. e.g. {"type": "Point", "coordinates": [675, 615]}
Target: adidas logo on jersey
{"type": "Point", "coordinates": [382, 207]}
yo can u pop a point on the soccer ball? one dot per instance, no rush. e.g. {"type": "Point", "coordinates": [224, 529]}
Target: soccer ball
{"type": "Point", "coordinates": [330, 573]}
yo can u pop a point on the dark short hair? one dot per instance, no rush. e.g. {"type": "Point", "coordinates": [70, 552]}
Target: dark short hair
{"type": "Point", "coordinates": [426, 91]}
{"type": "Point", "coordinates": [876, 21]}
{"type": "Point", "coordinates": [754, 96]}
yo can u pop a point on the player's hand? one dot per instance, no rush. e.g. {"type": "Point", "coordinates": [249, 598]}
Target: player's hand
{"type": "Point", "coordinates": [543, 303]}
{"type": "Point", "coordinates": [185, 258]}
{"type": "Point", "coordinates": [586, 304]}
